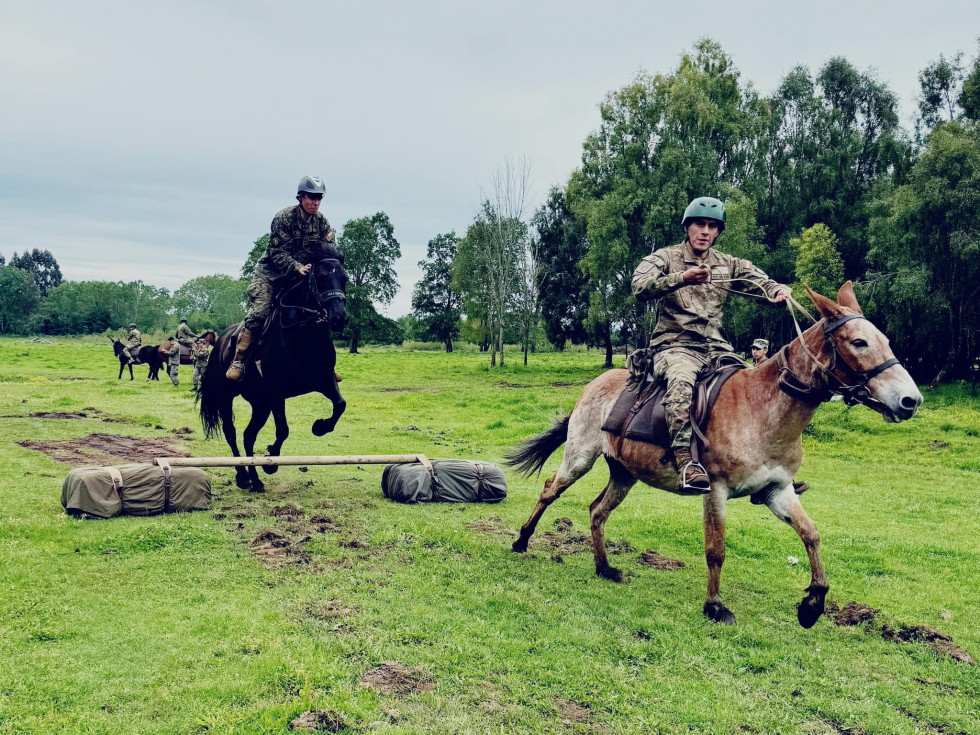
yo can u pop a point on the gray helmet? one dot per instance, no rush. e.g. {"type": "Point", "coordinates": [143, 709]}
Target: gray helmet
{"type": "Point", "coordinates": [705, 208]}
{"type": "Point", "coordinates": [183, 318]}
{"type": "Point", "coordinates": [311, 185]}
{"type": "Point", "coordinates": [133, 325]}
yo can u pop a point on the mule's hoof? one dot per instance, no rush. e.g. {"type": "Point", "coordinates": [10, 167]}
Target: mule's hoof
{"type": "Point", "coordinates": [520, 546]}
{"type": "Point", "coordinates": [718, 613]}
{"type": "Point", "coordinates": [610, 573]}
{"type": "Point", "coordinates": [809, 610]}
{"type": "Point", "coordinates": [270, 469]}
{"type": "Point", "coordinates": [321, 427]}
{"type": "Point", "coordinates": [258, 487]}
{"type": "Point", "coordinates": [243, 482]}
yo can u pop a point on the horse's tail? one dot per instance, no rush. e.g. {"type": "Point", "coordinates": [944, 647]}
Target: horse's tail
{"type": "Point", "coordinates": [529, 456]}
{"type": "Point", "coordinates": [210, 394]}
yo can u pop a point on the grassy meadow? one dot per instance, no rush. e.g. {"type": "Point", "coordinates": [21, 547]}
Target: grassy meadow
{"type": "Point", "coordinates": [175, 624]}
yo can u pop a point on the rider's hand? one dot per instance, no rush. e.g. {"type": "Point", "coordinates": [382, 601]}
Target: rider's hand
{"type": "Point", "coordinates": [695, 275]}
{"type": "Point", "coordinates": [781, 295]}
{"type": "Point", "coordinates": [305, 269]}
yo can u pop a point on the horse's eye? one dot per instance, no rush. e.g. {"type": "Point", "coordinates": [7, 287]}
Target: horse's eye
{"type": "Point", "coordinates": [859, 343]}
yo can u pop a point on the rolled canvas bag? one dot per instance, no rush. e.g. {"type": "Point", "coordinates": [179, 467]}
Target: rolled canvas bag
{"type": "Point", "coordinates": [444, 480]}
{"type": "Point", "coordinates": [136, 490]}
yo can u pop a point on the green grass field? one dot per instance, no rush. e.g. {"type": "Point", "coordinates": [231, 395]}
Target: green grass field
{"type": "Point", "coordinates": [174, 624]}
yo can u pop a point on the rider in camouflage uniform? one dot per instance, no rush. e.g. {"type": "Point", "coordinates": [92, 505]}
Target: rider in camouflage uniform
{"type": "Point", "coordinates": [172, 350]}
{"type": "Point", "coordinates": [297, 235]}
{"type": "Point", "coordinates": [688, 332]}
{"type": "Point", "coordinates": [133, 344]}
{"type": "Point", "coordinates": [760, 351]}
{"type": "Point", "coordinates": [185, 336]}
{"type": "Point", "coordinates": [200, 355]}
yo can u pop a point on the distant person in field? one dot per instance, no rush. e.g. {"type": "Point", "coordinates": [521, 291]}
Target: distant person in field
{"type": "Point", "coordinates": [185, 336]}
{"type": "Point", "coordinates": [298, 233]}
{"type": "Point", "coordinates": [688, 331]}
{"type": "Point", "coordinates": [760, 351]}
{"type": "Point", "coordinates": [200, 356]}
{"type": "Point", "coordinates": [133, 343]}
{"type": "Point", "coordinates": [172, 350]}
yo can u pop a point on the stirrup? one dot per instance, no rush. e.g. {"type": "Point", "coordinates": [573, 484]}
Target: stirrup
{"type": "Point", "coordinates": [692, 466]}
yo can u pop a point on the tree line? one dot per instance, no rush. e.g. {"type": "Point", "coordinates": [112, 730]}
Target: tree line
{"type": "Point", "coordinates": [822, 183]}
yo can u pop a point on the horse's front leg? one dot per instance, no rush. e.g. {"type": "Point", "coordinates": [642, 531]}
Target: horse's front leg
{"type": "Point", "coordinates": [332, 392]}
{"type": "Point", "coordinates": [714, 553]}
{"type": "Point", "coordinates": [785, 505]}
{"type": "Point", "coordinates": [282, 433]}
{"type": "Point", "coordinates": [260, 414]}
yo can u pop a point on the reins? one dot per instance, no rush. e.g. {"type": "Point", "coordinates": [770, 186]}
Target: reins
{"type": "Point", "coordinates": [322, 298]}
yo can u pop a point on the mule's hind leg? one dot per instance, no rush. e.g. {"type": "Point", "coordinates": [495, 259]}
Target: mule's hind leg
{"type": "Point", "coordinates": [575, 463]}
{"type": "Point", "coordinates": [714, 552]}
{"type": "Point", "coordinates": [785, 505]}
{"type": "Point", "coordinates": [242, 479]}
{"type": "Point", "coordinates": [614, 493]}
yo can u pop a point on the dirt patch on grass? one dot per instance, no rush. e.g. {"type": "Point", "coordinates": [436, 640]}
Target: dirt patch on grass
{"type": "Point", "coordinates": [572, 713]}
{"type": "Point", "coordinates": [289, 512]}
{"type": "Point", "coordinates": [566, 540]}
{"type": "Point", "coordinates": [392, 677]}
{"type": "Point", "coordinates": [935, 639]}
{"type": "Point", "coordinates": [106, 449]}
{"type": "Point", "coordinates": [651, 558]}
{"type": "Point", "coordinates": [505, 384]}
{"type": "Point", "coordinates": [492, 526]}
{"type": "Point", "coordinates": [325, 524]}
{"type": "Point", "coordinates": [319, 721]}
{"type": "Point", "coordinates": [330, 609]}
{"type": "Point", "coordinates": [58, 415]}
{"type": "Point", "coordinates": [853, 613]}
{"type": "Point", "coordinates": [275, 550]}
{"type": "Point", "coordinates": [411, 390]}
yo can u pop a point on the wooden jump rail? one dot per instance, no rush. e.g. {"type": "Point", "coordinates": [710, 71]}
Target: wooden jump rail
{"type": "Point", "coordinates": [301, 460]}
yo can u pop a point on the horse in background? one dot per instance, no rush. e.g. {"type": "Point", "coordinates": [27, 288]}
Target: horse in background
{"type": "Point", "coordinates": [186, 358]}
{"type": "Point", "coordinates": [754, 439]}
{"type": "Point", "coordinates": [295, 356]}
{"type": "Point", "coordinates": [148, 355]}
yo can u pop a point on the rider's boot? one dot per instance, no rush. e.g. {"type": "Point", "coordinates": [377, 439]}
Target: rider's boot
{"type": "Point", "coordinates": [693, 477]}
{"type": "Point", "coordinates": [237, 367]}
{"type": "Point", "coordinates": [336, 376]}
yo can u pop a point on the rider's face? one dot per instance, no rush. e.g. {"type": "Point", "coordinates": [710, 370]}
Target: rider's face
{"type": "Point", "coordinates": [701, 233]}
{"type": "Point", "coordinates": [310, 202]}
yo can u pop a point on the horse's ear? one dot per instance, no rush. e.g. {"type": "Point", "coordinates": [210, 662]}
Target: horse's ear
{"type": "Point", "coordinates": [827, 308]}
{"type": "Point", "coordinates": [846, 297]}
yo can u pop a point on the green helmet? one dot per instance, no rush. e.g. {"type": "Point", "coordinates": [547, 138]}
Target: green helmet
{"type": "Point", "coordinates": [133, 325]}
{"type": "Point", "coordinates": [705, 208]}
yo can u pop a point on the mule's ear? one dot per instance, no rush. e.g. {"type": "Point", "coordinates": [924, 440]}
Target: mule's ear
{"type": "Point", "coordinates": [846, 297]}
{"type": "Point", "coordinates": [827, 308]}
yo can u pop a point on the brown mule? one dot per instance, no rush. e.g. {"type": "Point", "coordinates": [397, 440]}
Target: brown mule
{"type": "Point", "coordinates": [754, 437]}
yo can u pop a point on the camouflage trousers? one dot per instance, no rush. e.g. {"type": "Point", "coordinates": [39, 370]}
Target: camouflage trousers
{"type": "Point", "coordinates": [198, 375]}
{"type": "Point", "coordinates": [260, 293]}
{"type": "Point", "coordinates": [679, 366]}
{"type": "Point", "coordinates": [131, 355]}
{"type": "Point", "coordinates": [173, 364]}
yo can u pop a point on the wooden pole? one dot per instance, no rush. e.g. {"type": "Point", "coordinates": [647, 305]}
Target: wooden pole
{"type": "Point", "coordinates": [308, 460]}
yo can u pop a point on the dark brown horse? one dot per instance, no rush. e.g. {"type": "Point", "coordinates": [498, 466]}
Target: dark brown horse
{"type": "Point", "coordinates": [753, 435]}
{"type": "Point", "coordinates": [148, 355]}
{"type": "Point", "coordinates": [295, 356]}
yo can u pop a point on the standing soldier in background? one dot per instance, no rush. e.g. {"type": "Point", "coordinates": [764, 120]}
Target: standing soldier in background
{"type": "Point", "coordinates": [133, 343]}
{"type": "Point", "coordinates": [185, 336]}
{"type": "Point", "coordinates": [760, 351]}
{"type": "Point", "coordinates": [172, 350]}
{"type": "Point", "coordinates": [689, 314]}
{"type": "Point", "coordinates": [297, 234]}
{"type": "Point", "coordinates": [200, 357]}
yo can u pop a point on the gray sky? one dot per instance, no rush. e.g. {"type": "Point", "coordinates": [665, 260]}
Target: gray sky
{"type": "Point", "coordinates": [155, 141]}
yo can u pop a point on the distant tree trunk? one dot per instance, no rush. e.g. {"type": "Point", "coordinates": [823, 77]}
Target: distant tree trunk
{"type": "Point", "coordinates": [607, 337]}
{"type": "Point", "coordinates": [355, 338]}
{"type": "Point", "coordinates": [501, 343]}
{"type": "Point", "coordinates": [449, 344]}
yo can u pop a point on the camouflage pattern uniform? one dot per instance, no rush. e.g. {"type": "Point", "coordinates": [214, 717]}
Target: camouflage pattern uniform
{"type": "Point", "coordinates": [173, 362]}
{"type": "Point", "coordinates": [200, 355]}
{"type": "Point", "coordinates": [133, 343]}
{"type": "Point", "coordinates": [293, 242]}
{"type": "Point", "coordinates": [688, 332]}
{"type": "Point", "coordinates": [186, 337]}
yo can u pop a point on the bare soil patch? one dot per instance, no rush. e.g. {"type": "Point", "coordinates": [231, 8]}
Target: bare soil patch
{"type": "Point", "coordinates": [492, 526]}
{"type": "Point", "coordinates": [853, 613]}
{"type": "Point", "coordinates": [319, 721]}
{"type": "Point", "coordinates": [275, 550]}
{"type": "Point", "coordinates": [288, 512]}
{"type": "Point", "coordinates": [325, 524]}
{"type": "Point", "coordinates": [565, 540]}
{"type": "Point", "coordinates": [411, 390]}
{"type": "Point", "coordinates": [58, 415]}
{"type": "Point", "coordinates": [935, 639]}
{"type": "Point", "coordinates": [651, 558]}
{"type": "Point", "coordinates": [330, 609]}
{"type": "Point", "coordinates": [572, 713]}
{"type": "Point", "coordinates": [393, 677]}
{"type": "Point", "coordinates": [505, 384]}
{"type": "Point", "coordinates": [106, 449]}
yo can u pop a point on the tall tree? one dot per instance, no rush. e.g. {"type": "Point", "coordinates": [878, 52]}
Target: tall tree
{"type": "Point", "coordinates": [437, 305]}
{"type": "Point", "coordinates": [818, 264]}
{"type": "Point", "coordinates": [19, 296]}
{"type": "Point", "coordinates": [940, 85]}
{"type": "Point", "coordinates": [258, 250]}
{"type": "Point", "coordinates": [211, 302]}
{"type": "Point", "coordinates": [370, 252]}
{"type": "Point", "coordinates": [42, 266]}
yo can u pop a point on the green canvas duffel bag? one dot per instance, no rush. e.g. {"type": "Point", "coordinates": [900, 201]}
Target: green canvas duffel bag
{"type": "Point", "coordinates": [444, 480]}
{"type": "Point", "coordinates": [135, 490]}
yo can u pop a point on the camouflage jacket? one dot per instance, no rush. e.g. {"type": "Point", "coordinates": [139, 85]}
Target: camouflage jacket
{"type": "Point", "coordinates": [200, 354]}
{"type": "Point", "coordinates": [690, 316]}
{"type": "Point", "coordinates": [292, 243]}
{"type": "Point", "coordinates": [135, 339]}
{"type": "Point", "coordinates": [184, 333]}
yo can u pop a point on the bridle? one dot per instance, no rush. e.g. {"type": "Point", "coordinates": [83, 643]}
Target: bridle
{"type": "Point", "coordinates": [322, 298]}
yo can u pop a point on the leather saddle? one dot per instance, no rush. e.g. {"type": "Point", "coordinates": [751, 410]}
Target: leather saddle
{"type": "Point", "coordinates": [639, 411]}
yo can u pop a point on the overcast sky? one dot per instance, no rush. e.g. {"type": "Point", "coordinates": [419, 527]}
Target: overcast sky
{"type": "Point", "coordinates": [155, 141]}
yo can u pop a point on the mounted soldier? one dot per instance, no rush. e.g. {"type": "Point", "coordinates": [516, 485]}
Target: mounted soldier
{"type": "Point", "coordinates": [297, 233]}
{"type": "Point", "coordinates": [760, 351]}
{"type": "Point", "coordinates": [133, 343]}
{"type": "Point", "coordinates": [185, 336]}
{"type": "Point", "coordinates": [688, 332]}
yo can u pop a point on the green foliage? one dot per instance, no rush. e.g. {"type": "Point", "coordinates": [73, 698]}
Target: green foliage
{"type": "Point", "coordinates": [211, 302]}
{"type": "Point", "coordinates": [437, 306]}
{"type": "Point", "coordinates": [818, 264]}
{"type": "Point", "coordinates": [19, 296]}
{"type": "Point", "coordinates": [42, 266]}
{"type": "Point", "coordinates": [89, 307]}
{"type": "Point", "coordinates": [258, 250]}
{"type": "Point", "coordinates": [370, 251]}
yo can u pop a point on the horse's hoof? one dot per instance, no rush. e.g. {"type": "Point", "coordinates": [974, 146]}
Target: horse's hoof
{"type": "Point", "coordinates": [258, 486]}
{"type": "Point", "coordinates": [809, 610]}
{"type": "Point", "coordinates": [718, 613]}
{"type": "Point", "coordinates": [519, 546]}
{"type": "Point", "coordinates": [610, 573]}
{"type": "Point", "coordinates": [244, 483]}
{"type": "Point", "coordinates": [321, 427]}
{"type": "Point", "coordinates": [270, 469]}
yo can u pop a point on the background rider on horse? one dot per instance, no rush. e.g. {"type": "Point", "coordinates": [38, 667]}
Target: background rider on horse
{"type": "Point", "coordinates": [133, 344]}
{"type": "Point", "coordinates": [297, 233]}
{"type": "Point", "coordinates": [688, 332]}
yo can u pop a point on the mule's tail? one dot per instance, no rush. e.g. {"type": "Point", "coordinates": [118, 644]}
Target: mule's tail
{"type": "Point", "coordinates": [529, 456]}
{"type": "Point", "coordinates": [211, 393]}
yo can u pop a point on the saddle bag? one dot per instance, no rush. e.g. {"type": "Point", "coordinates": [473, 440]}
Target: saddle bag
{"type": "Point", "coordinates": [135, 490]}
{"type": "Point", "coordinates": [444, 480]}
